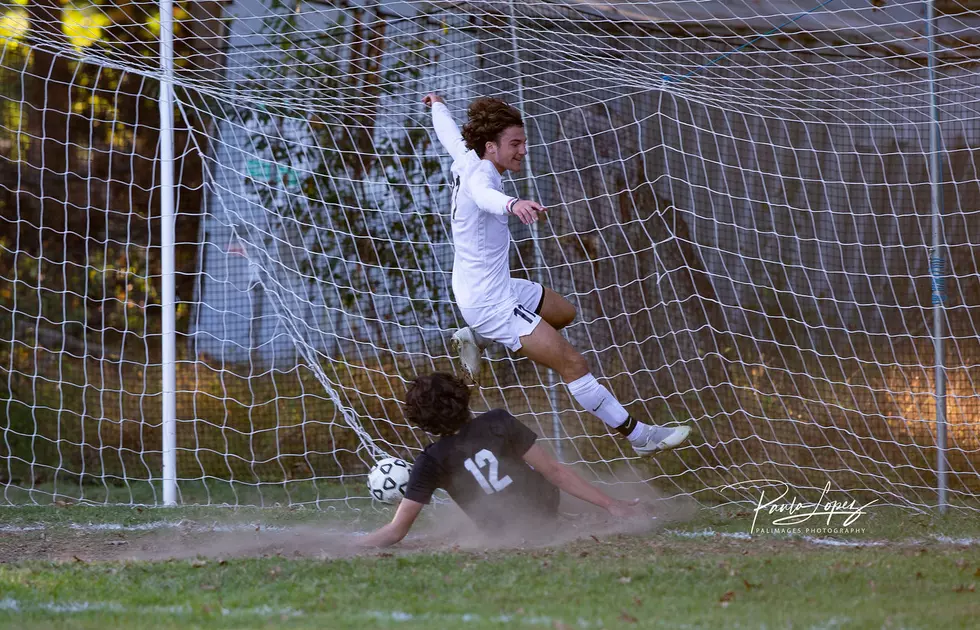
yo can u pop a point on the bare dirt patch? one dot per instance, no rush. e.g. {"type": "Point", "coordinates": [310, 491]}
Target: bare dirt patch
{"type": "Point", "coordinates": [446, 528]}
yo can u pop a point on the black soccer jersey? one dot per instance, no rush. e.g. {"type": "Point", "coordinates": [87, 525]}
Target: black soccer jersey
{"type": "Point", "coordinates": [483, 470]}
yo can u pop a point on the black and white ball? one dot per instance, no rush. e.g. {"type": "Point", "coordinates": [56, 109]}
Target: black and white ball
{"type": "Point", "coordinates": [388, 479]}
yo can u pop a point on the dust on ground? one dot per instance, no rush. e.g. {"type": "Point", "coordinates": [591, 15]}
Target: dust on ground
{"type": "Point", "coordinates": [445, 528]}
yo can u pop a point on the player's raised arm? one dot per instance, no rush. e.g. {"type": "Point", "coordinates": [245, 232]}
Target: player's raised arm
{"type": "Point", "coordinates": [569, 481]}
{"type": "Point", "coordinates": [397, 529]}
{"type": "Point", "coordinates": [446, 129]}
{"type": "Point", "coordinates": [491, 200]}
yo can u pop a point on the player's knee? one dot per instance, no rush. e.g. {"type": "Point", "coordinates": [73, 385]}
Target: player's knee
{"type": "Point", "coordinates": [561, 314]}
{"type": "Point", "coordinates": [565, 317]}
{"type": "Point", "coordinates": [575, 367]}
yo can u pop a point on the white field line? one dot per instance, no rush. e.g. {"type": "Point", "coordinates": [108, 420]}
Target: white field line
{"type": "Point", "coordinates": [830, 542]}
{"type": "Point", "coordinates": [151, 526]}
{"type": "Point", "coordinates": [508, 620]}
{"type": "Point", "coordinates": [9, 604]}
{"type": "Point", "coordinates": [966, 542]}
{"type": "Point", "coordinates": [708, 533]}
{"type": "Point", "coordinates": [67, 608]}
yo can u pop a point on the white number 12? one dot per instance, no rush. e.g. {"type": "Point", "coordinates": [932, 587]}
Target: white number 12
{"type": "Point", "coordinates": [492, 484]}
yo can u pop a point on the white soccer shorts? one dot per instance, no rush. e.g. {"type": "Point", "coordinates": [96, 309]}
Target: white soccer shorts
{"type": "Point", "coordinates": [513, 317]}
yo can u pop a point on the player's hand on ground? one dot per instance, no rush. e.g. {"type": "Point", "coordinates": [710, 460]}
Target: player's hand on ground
{"type": "Point", "coordinates": [624, 509]}
{"type": "Point", "coordinates": [527, 211]}
{"type": "Point", "coordinates": [431, 99]}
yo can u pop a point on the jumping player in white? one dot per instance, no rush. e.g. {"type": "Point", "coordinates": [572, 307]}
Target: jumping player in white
{"type": "Point", "coordinates": [522, 315]}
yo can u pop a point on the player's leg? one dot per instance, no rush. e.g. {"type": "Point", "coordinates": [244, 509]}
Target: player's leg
{"type": "Point", "coordinates": [469, 344]}
{"type": "Point", "coordinates": [556, 310]}
{"type": "Point", "coordinates": [545, 346]}
{"type": "Point", "coordinates": [540, 300]}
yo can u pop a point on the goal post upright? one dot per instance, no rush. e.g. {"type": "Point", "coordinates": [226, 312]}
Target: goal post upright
{"type": "Point", "coordinates": [937, 261]}
{"type": "Point", "coordinates": [167, 237]}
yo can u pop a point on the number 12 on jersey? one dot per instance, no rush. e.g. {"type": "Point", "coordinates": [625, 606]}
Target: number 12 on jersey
{"type": "Point", "coordinates": [490, 483]}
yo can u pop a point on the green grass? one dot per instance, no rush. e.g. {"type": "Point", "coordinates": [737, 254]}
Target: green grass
{"type": "Point", "coordinates": [660, 579]}
{"type": "Point", "coordinates": [608, 588]}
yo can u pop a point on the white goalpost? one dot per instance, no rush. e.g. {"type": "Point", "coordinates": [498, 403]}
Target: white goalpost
{"type": "Point", "coordinates": [225, 245]}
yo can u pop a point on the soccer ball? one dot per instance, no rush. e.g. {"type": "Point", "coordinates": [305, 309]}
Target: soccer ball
{"type": "Point", "coordinates": [388, 479]}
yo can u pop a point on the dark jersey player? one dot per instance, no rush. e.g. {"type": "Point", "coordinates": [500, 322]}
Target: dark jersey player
{"type": "Point", "coordinates": [490, 465]}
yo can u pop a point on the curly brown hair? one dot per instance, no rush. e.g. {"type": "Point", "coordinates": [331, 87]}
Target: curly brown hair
{"type": "Point", "coordinates": [488, 118]}
{"type": "Point", "coordinates": [438, 403]}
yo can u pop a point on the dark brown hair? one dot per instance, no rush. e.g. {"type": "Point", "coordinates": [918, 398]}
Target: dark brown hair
{"type": "Point", "coordinates": [438, 403]}
{"type": "Point", "coordinates": [488, 118]}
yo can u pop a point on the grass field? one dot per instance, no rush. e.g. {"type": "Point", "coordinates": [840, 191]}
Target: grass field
{"type": "Point", "coordinates": [76, 566]}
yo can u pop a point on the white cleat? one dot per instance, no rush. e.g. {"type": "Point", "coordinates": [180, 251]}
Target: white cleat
{"type": "Point", "coordinates": [470, 354]}
{"type": "Point", "coordinates": [656, 439]}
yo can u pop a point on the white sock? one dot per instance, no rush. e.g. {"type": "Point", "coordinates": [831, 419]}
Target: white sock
{"type": "Point", "coordinates": [598, 400]}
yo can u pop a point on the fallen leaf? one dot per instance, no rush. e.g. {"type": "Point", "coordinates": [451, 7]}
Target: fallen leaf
{"type": "Point", "coordinates": [625, 616]}
{"type": "Point", "coordinates": [726, 599]}
{"type": "Point", "coordinates": [748, 585]}
{"type": "Point", "coordinates": [594, 537]}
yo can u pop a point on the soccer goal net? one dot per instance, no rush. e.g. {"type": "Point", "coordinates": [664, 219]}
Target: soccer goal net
{"type": "Point", "coordinates": [765, 214]}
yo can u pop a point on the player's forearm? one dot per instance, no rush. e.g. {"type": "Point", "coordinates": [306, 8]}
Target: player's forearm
{"type": "Point", "coordinates": [447, 131]}
{"type": "Point", "coordinates": [383, 537]}
{"type": "Point", "coordinates": [492, 201]}
{"type": "Point", "coordinates": [569, 481]}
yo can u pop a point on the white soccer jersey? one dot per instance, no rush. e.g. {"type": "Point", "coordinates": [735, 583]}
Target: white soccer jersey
{"type": "Point", "coordinates": [481, 238]}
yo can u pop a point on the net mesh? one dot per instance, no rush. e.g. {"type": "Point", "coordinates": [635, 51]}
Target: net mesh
{"type": "Point", "coordinates": [740, 211]}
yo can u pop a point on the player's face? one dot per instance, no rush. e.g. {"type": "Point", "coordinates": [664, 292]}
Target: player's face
{"type": "Point", "coordinates": [508, 153]}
